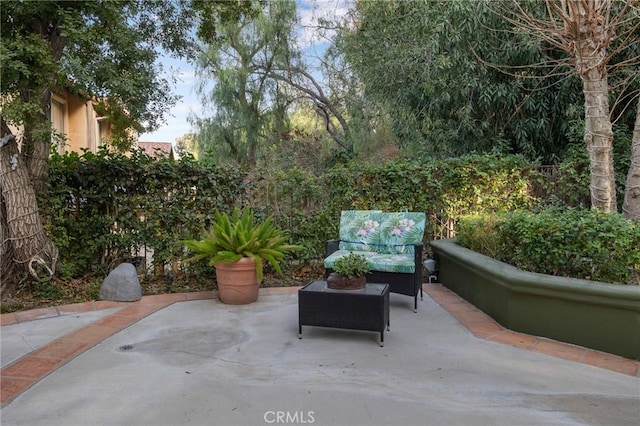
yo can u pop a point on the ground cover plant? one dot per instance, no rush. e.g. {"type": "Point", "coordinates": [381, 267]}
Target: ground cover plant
{"type": "Point", "coordinates": [565, 242]}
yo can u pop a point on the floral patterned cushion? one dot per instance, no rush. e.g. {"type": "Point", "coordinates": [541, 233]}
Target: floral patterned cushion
{"type": "Point", "coordinates": [398, 263]}
{"type": "Point", "coordinates": [346, 245]}
{"type": "Point", "coordinates": [396, 249]}
{"type": "Point", "coordinates": [331, 259]}
{"type": "Point", "coordinates": [400, 231]}
{"type": "Point", "coordinates": [360, 226]}
{"type": "Point", "coordinates": [386, 239]}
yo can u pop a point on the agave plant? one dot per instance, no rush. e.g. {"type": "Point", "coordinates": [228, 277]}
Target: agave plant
{"type": "Point", "coordinates": [232, 237]}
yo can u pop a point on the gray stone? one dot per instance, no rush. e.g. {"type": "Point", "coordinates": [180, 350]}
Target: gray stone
{"type": "Point", "coordinates": [121, 285]}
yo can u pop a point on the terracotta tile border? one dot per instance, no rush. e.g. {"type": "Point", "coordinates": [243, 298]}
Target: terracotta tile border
{"type": "Point", "coordinates": [484, 327]}
{"type": "Point", "coordinates": [20, 375]}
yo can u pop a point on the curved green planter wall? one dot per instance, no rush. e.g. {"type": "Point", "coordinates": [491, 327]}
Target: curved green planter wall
{"type": "Point", "coordinates": [595, 315]}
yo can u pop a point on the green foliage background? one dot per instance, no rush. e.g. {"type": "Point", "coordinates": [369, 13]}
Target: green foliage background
{"type": "Point", "coordinates": [103, 207]}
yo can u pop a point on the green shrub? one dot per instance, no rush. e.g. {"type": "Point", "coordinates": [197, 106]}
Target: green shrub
{"type": "Point", "coordinates": [237, 235]}
{"type": "Point", "coordinates": [572, 243]}
{"type": "Point", "coordinates": [572, 186]}
{"type": "Point", "coordinates": [352, 265]}
{"type": "Point", "coordinates": [479, 233]}
{"type": "Point", "coordinates": [102, 207]}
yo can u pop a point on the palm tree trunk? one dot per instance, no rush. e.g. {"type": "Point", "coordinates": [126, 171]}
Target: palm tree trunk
{"type": "Point", "coordinates": [598, 132]}
{"type": "Point", "coordinates": [631, 206]}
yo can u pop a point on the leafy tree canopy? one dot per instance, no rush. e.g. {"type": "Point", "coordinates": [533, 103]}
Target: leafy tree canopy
{"type": "Point", "coordinates": [456, 78]}
{"type": "Point", "coordinates": [247, 109]}
{"type": "Point", "coordinates": [101, 49]}
{"type": "Point", "coordinates": [94, 49]}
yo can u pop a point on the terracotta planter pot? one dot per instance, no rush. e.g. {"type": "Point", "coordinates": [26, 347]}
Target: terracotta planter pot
{"type": "Point", "coordinates": [237, 282]}
{"type": "Point", "coordinates": [340, 282]}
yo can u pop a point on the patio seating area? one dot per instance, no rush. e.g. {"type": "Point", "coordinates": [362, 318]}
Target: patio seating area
{"type": "Point", "coordinates": [186, 358]}
{"type": "Point", "coordinates": [391, 242]}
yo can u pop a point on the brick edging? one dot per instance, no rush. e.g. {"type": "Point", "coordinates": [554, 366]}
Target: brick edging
{"type": "Point", "coordinates": [23, 373]}
{"type": "Point", "coordinates": [485, 327]}
{"type": "Point", "coordinates": [26, 371]}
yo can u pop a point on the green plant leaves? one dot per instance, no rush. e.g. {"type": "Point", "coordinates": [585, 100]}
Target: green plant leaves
{"type": "Point", "coordinates": [352, 265]}
{"type": "Point", "coordinates": [105, 206]}
{"type": "Point", "coordinates": [236, 235]}
{"type": "Point", "coordinates": [566, 242]}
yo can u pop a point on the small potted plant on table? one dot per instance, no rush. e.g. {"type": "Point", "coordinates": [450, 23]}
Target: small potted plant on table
{"type": "Point", "coordinates": [349, 272]}
{"type": "Point", "coordinates": [238, 248]}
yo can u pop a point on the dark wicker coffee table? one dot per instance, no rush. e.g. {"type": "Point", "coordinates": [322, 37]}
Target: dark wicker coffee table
{"type": "Point", "coordinates": [366, 309]}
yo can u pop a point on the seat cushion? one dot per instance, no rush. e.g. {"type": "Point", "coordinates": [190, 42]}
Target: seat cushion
{"type": "Point", "coordinates": [398, 263]}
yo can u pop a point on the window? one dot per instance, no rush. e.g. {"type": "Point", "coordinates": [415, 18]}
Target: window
{"type": "Point", "coordinates": [58, 121]}
{"type": "Point", "coordinates": [103, 130]}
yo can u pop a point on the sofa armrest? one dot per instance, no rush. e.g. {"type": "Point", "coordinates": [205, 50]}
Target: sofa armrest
{"type": "Point", "coordinates": [418, 259]}
{"type": "Point", "coordinates": [418, 253]}
{"type": "Point", "coordinates": [331, 246]}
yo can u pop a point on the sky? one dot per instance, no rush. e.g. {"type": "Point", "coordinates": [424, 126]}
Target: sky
{"type": "Point", "coordinates": [177, 123]}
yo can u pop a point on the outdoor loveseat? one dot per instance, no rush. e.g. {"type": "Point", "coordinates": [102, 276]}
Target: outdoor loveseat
{"type": "Point", "coordinates": [391, 243]}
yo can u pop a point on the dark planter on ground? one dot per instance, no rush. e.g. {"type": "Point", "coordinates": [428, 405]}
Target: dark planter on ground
{"type": "Point", "coordinates": [595, 315]}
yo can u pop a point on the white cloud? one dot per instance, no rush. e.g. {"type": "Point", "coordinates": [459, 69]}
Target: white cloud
{"type": "Point", "coordinates": [311, 11]}
{"type": "Point", "coordinates": [186, 77]}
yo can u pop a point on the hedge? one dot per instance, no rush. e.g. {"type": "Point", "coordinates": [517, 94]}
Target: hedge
{"type": "Point", "coordinates": [105, 207]}
{"type": "Point", "coordinates": [574, 243]}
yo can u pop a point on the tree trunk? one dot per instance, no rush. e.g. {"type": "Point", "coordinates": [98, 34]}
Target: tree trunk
{"type": "Point", "coordinates": [7, 266]}
{"type": "Point", "coordinates": [36, 151]}
{"type": "Point", "coordinates": [631, 206]}
{"type": "Point", "coordinates": [598, 133]}
{"type": "Point", "coordinates": [25, 246]}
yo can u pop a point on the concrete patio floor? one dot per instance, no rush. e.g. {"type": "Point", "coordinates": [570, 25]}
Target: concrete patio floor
{"type": "Point", "coordinates": [187, 359]}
